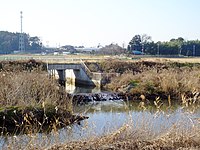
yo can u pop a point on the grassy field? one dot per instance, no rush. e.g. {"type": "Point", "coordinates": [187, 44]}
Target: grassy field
{"type": "Point", "coordinates": [180, 60]}
{"type": "Point", "coordinates": [88, 57]}
{"type": "Point", "coordinates": [54, 58]}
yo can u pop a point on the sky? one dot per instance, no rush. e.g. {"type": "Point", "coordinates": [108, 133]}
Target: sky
{"type": "Point", "coordinates": [93, 22]}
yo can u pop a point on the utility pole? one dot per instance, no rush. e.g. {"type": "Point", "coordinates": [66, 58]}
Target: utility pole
{"type": "Point", "coordinates": [142, 48]}
{"type": "Point", "coordinates": [180, 50]}
{"type": "Point", "coordinates": [21, 36]}
{"type": "Point", "coordinates": [193, 50]}
{"type": "Point", "coordinates": [158, 52]}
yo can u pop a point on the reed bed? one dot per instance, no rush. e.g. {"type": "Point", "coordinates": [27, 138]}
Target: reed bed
{"type": "Point", "coordinates": [30, 100]}
{"type": "Point", "coordinates": [173, 83]}
{"type": "Point", "coordinates": [25, 89]}
{"type": "Point", "coordinates": [132, 136]}
{"type": "Point", "coordinates": [183, 134]}
{"type": "Point", "coordinates": [127, 138]}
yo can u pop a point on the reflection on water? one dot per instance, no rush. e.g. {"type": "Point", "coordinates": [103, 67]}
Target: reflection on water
{"type": "Point", "coordinates": [72, 89]}
{"type": "Point", "coordinates": [106, 117]}
{"type": "Point", "coordinates": [110, 115]}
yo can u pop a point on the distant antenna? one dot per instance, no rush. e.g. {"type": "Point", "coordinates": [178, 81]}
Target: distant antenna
{"type": "Point", "coordinates": [21, 36]}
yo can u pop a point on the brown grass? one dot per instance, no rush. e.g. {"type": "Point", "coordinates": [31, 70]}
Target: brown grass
{"type": "Point", "coordinates": [25, 89]}
{"type": "Point", "coordinates": [173, 82]}
{"type": "Point", "coordinates": [129, 137]}
{"type": "Point", "coordinates": [26, 83]}
{"type": "Point", "coordinates": [28, 95]}
{"type": "Point", "coordinates": [180, 60]}
{"type": "Point", "coordinates": [28, 89]}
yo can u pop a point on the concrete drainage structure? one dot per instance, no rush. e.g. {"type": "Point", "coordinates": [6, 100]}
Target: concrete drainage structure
{"type": "Point", "coordinates": [74, 73]}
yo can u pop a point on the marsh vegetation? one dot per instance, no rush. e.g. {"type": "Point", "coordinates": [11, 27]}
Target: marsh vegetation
{"type": "Point", "coordinates": [30, 100]}
{"type": "Point", "coordinates": [163, 95]}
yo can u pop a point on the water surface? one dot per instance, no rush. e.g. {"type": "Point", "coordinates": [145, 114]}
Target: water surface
{"type": "Point", "coordinates": [106, 117]}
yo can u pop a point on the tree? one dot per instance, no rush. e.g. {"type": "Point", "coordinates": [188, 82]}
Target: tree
{"type": "Point", "coordinates": [112, 49]}
{"type": "Point", "coordinates": [129, 48]}
{"type": "Point", "coordinates": [151, 48]}
{"type": "Point", "coordinates": [9, 42]}
{"type": "Point", "coordinates": [175, 46]}
{"type": "Point", "coordinates": [180, 42]}
{"type": "Point", "coordinates": [139, 42]}
{"type": "Point", "coordinates": [135, 43]}
{"type": "Point", "coordinates": [35, 43]}
{"type": "Point", "coordinates": [145, 39]}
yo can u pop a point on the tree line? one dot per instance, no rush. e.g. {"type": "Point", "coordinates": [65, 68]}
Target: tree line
{"type": "Point", "coordinates": [9, 42]}
{"type": "Point", "coordinates": [178, 46]}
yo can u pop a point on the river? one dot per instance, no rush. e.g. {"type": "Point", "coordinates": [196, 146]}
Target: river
{"type": "Point", "coordinates": [105, 117]}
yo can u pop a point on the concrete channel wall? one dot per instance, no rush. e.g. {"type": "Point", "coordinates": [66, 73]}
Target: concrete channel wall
{"type": "Point", "coordinates": [74, 70]}
{"type": "Point", "coordinates": [75, 74]}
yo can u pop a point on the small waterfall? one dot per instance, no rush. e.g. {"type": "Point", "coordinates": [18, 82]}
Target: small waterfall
{"type": "Point", "coordinates": [84, 98]}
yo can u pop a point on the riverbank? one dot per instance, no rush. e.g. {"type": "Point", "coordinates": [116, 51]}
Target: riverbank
{"type": "Point", "coordinates": [30, 101]}
{"type": "Point", "coordinates": [127, 138]}
{"type": "Point", "coordinates": [116, 125]}
{"type": "Point", "coordinates": [31, 120]}
{"type": "Point", "coordinates": [145, 82]}
{"type": "Point", "coordinates": [164, 79]}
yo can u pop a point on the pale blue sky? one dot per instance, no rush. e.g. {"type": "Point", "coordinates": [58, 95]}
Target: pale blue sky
{"type": "Point", "coordinates": [89, 22]}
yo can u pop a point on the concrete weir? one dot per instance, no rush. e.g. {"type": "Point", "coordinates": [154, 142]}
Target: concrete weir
{"type": "Point", "coordinates": [74, 73]}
